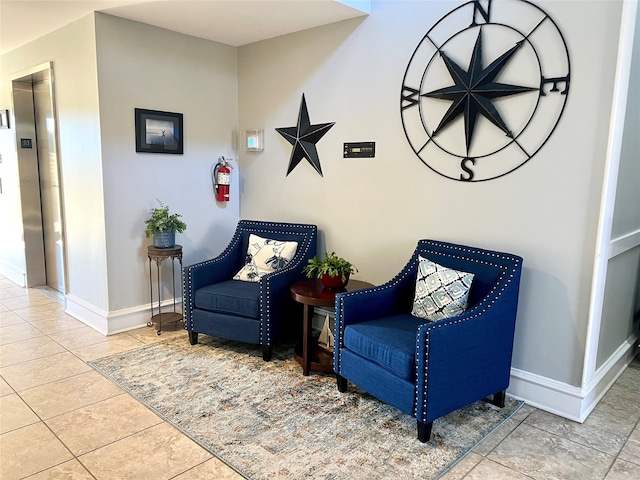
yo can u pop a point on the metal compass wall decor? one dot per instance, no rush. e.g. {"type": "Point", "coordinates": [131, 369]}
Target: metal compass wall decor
{"type": "Point", "coordinates": [485, 89]}
{"type": "Point", "coordinates": [304, 137]}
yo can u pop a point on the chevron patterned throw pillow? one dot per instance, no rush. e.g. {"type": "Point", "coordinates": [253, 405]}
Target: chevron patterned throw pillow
{"type": "Point", "coordinates": [441, 292]}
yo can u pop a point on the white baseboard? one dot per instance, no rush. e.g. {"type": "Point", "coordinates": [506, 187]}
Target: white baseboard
{"type": "Point", "coordinates": [17, 276]}
{"type": "Point", "coordinates": [88, 314]}
{"type": "Point", "coordinates": [546, 394]}
{"type": "Point", "coordinates": [609, 372]}
{"type": "Point", "coordinates": [566, 400]}
{"type": "Point", "coordinates": [130, 318]}
{"type": "Point", "coordinates": [111, 323]}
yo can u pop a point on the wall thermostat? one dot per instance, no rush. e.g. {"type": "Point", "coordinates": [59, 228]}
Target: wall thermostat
{"type": "Point", "coordinates": [360, 150]}
{"type": "Point", "coordinates": [254, 140]}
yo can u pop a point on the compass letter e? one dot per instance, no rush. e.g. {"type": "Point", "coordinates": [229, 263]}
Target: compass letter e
{"type": "Point", "coordinates": [555, 81]}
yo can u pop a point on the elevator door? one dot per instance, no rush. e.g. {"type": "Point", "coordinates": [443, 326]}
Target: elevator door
{"type": "Point", "coordinates": [49, 184]}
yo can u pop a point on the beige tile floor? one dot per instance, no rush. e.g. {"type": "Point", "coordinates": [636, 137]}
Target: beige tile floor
{"type": "Point", "coordinates": [61, 419]}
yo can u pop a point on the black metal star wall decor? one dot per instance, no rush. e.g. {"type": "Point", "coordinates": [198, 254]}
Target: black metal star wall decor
{"type": "Point", "coordinates": [304, 137]}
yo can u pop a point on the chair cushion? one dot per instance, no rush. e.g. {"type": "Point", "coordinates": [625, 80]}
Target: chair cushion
{"type": "Point", "coordinates": [441, 292]}
{"type": "Point", "coordinates": [231, 297]}
{"type": "Point", "coordinates": [390, 342]}
{"type": "Point", "coordinates": [265, 256]}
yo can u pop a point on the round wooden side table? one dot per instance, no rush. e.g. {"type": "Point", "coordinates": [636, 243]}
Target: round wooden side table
{"type": "Point", "coordinates": [159, 255]}
{"type": "Point", "coordinates": [311, 293]}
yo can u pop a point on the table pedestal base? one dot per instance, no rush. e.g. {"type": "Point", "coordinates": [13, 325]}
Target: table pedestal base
{"type": "Point", "coordinates": [311, 293]}
{"type": "Point", "coordinates": [321, 358]}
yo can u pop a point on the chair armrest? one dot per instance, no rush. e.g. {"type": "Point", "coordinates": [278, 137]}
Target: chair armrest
{"type": "Point", "coordinates": [367, 304]}
{"type": "Point", "coordinates": [218, 269]}
{"type": "Point", "coordinates": [275, 297]}
{"type": "Point", "coordinates": [390, 298]}
{"type": "Point", "coordinates": [467, 357]}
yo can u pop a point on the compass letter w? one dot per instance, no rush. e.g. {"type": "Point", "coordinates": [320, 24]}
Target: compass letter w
{"type": "Point", "coordinates": [409, 97]}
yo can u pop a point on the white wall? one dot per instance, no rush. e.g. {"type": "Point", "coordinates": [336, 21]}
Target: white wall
{"type": "Point", "coordinates": [623, 253]}
{"type": "Point", "coordinates": [373, 211]}
{"type": "Point", "coordinates": [626, 218]}
{"type": "Point", "coordinates": [140, 66]}
{"type": "Point", "coordinates": [72, 50]}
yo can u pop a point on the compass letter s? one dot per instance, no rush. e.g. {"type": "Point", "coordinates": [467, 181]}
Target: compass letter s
{"type": "Point", "coordinates": [465, 167]}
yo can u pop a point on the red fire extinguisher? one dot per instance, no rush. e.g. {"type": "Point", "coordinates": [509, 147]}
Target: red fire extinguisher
{"type": "Point", "coordinates": [222, 179]}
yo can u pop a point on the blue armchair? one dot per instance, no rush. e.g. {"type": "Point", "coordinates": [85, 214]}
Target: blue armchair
{"type": "Point", "coordinates": [252, 312]}
{"type": "Point", "coordinates": [429, 369]}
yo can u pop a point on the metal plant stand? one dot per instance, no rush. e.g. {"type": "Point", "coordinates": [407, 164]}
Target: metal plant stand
{"type": "Point", "coordinates": [160, 255]}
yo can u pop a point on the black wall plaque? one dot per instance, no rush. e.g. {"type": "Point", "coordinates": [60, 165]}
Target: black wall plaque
{"type": "Point", "coordinates": [360, 150]}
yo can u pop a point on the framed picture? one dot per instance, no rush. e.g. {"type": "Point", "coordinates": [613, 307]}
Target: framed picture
{"type": "Point", "coordinates": [4, 118]}
{"type": "Point", "coordinates": [158, 132]}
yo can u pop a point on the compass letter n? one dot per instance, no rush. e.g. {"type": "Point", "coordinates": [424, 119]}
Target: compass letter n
{"type": "Point", "coordinates": [409, 97]}
{"type": "Point", "coordinates": [480, 13]}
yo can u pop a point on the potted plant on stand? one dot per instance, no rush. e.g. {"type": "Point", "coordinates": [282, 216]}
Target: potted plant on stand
{"type": "Point", "coordinates": [162, 226]}
{"type": "Point", "coordinates": [333, 271]}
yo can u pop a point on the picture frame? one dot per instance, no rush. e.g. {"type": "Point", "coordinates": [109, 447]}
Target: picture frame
{"type": "Point", "coordinates": [4, 118]}
{"type": "Point", "coordinates": [159, 132]}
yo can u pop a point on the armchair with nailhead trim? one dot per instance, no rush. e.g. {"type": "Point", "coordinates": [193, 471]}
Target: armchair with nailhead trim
{"type": "Point", "coordinates": [252, 312]}
{"type": "Point", "coordinates": [425, 368]}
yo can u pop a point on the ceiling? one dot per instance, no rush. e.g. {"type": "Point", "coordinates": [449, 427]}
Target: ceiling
{"type": "Point", "coordinates": [233, 22]}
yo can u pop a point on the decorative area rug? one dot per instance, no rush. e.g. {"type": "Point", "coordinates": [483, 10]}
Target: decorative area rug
{"type": "Point", "coordinates": [267, 421]}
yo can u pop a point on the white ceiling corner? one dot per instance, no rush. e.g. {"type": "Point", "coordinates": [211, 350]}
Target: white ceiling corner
{"type": "Point", "coordinates": [232, 22]}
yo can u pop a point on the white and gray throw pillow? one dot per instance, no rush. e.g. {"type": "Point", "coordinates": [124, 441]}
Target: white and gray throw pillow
{"type": "Point", "coordinates": [265, 256]}
{"type": "Point", "coordinates": [441, 292]}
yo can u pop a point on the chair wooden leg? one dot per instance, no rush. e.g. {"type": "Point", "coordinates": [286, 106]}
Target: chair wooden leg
{"type": "Point", "coordinates": [267, 351]}
{"type": "Point", "coordinates": [342, 383]}
{"type": "Point", "coordinates": [193, 337]}
{"type": "Point", "coordinates": [498, 399]}
{"type": "Point", "coordinates": [424, 431]}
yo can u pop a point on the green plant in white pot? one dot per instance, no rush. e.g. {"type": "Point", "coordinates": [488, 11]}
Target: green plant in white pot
{"type": "Point", "coordinates": [333, 271]}
{"type": "Point", "coordinates": [162, 226]}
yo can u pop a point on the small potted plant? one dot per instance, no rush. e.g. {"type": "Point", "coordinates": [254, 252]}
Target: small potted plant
{"type": "Point", "coordinates": [333, 271]}
{"type": "Point", "coordinates": [162, 226]}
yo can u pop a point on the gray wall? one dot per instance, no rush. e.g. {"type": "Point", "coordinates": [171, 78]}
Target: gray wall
{"type": "Point", "coordinates": [140, 66]}
{"type": "Point", "coordinates": [373, 211]}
